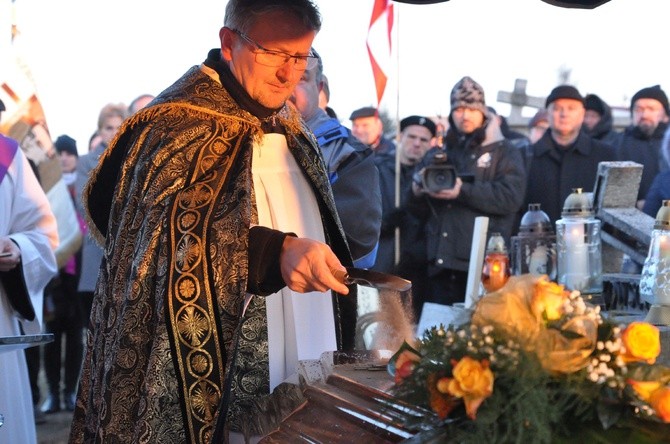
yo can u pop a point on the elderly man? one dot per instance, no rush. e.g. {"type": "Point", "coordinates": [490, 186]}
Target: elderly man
{"type": "Point", "coordinates": [565, 157]}
{"type": "Point", "coordinates": [490, 181]}
{"type": "Point", "coordinates": [214, 195]}
{"type": "Point", "coordinates": [351, 170]}
{"type": "Point", "coordinates": [367, 126]}
{"type": "Point", "coordinates": [641, 141]}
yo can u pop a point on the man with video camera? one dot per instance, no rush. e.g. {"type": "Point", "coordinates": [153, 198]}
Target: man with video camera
{"type": "Point", "coordinates": [477, 173]}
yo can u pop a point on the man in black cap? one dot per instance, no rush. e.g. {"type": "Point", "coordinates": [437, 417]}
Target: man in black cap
{"type": "Point", "coordinates": [565, 157]}
{"type": "Point", "coordinates": [416, 134]}
{"type": "Point", "coordinates": [367, 126]}
{"type": "Point", "coordinates": [598, 121]}
{"type": "Point", "coordinates": [641, 141]}
{"type": "Point", "coordinates": [490, 181]}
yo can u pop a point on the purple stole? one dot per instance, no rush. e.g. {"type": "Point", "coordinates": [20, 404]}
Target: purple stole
{"type": "Point", "coordinates": [8, 149]}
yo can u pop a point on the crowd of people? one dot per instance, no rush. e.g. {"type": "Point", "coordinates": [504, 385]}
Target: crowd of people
{"type": "Point", "coordinates": [217, 214]}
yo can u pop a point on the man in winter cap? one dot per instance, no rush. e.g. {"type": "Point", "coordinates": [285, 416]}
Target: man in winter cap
{"type": "Point", "coordinates": [367, 127]}
{"type": "Point", "coordinates": [641, 141]}
{"type": "Point", "coordinates": [489, 181]}
{"type": "Point", "coordinates": [565, 157]}
{"type": "Point", "coordinates": [598, 121]}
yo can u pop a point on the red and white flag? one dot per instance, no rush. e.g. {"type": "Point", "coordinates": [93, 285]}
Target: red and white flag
{"type": "Point", "coordinates": [379, 43]}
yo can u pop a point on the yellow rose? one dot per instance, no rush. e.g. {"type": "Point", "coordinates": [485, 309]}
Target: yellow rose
{"type": "Point", "coordinates": [642, 342]}
{"type": "Point", "coordinates": [660, 402]}
{"type": "Point", "coordinates": [548, 299]}
{"type": "Point", "coordinates": [473, 381]}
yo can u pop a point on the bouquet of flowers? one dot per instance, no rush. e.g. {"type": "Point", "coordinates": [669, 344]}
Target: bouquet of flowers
{"type": "Point", "coordinates": [536, 363]}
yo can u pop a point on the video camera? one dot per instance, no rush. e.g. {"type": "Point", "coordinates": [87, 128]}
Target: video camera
{"type": "Point", "coordinates": [440, 175]}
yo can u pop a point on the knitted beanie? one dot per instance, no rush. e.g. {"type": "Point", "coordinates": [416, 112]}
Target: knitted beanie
{"type": "Point", "coordinates": [66, 144]}
{"type": "Point", "coordinates": [652, 92]}
{"type": "Point", "coordinates": [468, 94]}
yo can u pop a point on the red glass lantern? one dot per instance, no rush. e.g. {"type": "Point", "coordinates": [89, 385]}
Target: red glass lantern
{"type": "Point", "coordinates": [496, 269]}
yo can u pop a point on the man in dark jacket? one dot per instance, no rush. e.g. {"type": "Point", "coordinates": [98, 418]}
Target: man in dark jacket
{"type": "Point", "coordinates": [367, 126]}
{"type": "Point", "coordinates": [565, 157]}
{"type": "Point", "coordinates": [477, 149]}
{"type": "Point", "coordinates": [416, 134]}
{"type": "Point", "coordinates": [641, 141]}
{"type": "Point", "coordinates": [351, 169]}
{"type": "Point", "coordinates": [598, 120]}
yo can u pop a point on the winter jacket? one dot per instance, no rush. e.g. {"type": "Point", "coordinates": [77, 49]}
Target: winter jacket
{"type": "Point", "coordinates": [496, 191]}
{"type": "Point", "coordinates": [604, 129]}
{"type": "Point", "coordinates": [638, 147]}
{"type": "Point", "coordinates": [554, 172]}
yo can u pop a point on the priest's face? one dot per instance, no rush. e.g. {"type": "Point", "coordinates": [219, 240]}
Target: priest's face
{"type": "Point", "coordinates": [250, 55]}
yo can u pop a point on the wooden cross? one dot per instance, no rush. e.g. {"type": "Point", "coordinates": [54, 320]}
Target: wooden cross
{"type": "Point", "coordinates": [518, 99]}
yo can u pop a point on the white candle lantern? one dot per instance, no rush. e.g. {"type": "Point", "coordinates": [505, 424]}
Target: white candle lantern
{"type": "Point", "coordinates": [534, 248]}
{"type": "Point", "coordinates": [655, 277]}
{"type": "Point", "coordinates": [579, 245]}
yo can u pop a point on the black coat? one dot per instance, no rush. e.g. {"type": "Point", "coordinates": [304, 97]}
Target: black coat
{"type": "Point", "coordinates": [604, 129]}
{"type": "Point", "coordinates": [638, 147]}
{"type": "Point", "coordinates": [496, 192]}
{"type": "Point", "coordinates": [554, 173]}
{"type": "Point", "coordinates": [412, 243]}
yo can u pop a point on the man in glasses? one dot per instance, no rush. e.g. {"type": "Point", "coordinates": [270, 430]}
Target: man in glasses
{"type": "Point", "coordinates": [215, 193]}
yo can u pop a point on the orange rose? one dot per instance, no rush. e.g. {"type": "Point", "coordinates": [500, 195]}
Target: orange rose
{"type": "Point", "coordinates": [644, 389]}
{"type": "Point", "coordinates": [642, 342]}
{"type": "Point", "coordinates": [443, 385]}
{"type": "Point", "coordinates": [548, 299]}
{"type": "Point", "coordinates": [473, 381]}
{"type": "Point", "coordinates": [660, 402]}
{"type": "Point", "coordinates": [441, 402]}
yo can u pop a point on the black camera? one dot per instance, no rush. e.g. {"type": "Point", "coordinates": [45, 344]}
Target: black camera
{"type": "Point", "coordinates": [440, 175]}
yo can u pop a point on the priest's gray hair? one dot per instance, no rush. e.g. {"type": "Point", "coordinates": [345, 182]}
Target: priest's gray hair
{"type": "Point", "coordinates": [242, 14]}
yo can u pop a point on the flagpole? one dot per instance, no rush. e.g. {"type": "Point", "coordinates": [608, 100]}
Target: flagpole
{"type": "Point", "coordinates": [396, 20]}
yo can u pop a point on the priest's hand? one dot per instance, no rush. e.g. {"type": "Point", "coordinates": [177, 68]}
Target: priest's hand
{"type": "Point", "coordinates": [10, 254]}
{"type": "Point", "coordinates": [306, 266]}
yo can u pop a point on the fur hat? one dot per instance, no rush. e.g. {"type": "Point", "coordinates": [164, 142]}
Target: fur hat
{"type": "Point", "coordinates": [66, 144]}
{"type": "Point", "coordinates": [418, 120]}
{"type": "Point", "coordinates": [652, 92]}
{"type": "Point", "coordinates": [563, 92]}
{"type": "Point", "coordinates": [366, 111]}
{"type": "Point", "coordinates": [468, 94]}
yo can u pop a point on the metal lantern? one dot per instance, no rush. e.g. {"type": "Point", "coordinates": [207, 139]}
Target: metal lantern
{"type": "Point", "coordinates": [534, 248]}
{"type": "Point", "coordinates": [655, 277]}
{"type": "Point", "coordinates": [579, 245]}
{"type": "Point", "coordinates": [495, 271]}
